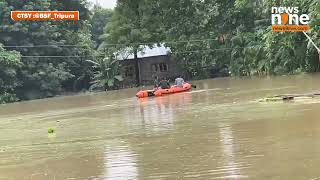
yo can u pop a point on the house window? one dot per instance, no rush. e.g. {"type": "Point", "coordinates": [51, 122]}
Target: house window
{"type": "Point", "coordinates": [162, 67]}
{"type": "Point", "coordinates": [154, 67]}
{"type": "Point", "coordinates": [129, 72]}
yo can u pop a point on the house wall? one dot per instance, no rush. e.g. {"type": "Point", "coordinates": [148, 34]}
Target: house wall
{"type": "Point", "coordinates": [147, 72]}
{"type": "Point", "coordinates": [129, 80]}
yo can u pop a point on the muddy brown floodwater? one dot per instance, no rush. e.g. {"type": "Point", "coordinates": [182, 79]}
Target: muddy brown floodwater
{"type": "Point", "coordinates": [217, 131]}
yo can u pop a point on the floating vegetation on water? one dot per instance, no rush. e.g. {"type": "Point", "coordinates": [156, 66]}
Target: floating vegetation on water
{"type": "Point", "coordinates": [51, 130]}
{"type": "Point", "coordinates": [271, 99]}
{"type": "Point", "coordinates": [288, 97]}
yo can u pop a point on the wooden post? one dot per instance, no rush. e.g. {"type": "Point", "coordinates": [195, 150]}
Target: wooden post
{"type": "Point", "coordinates": [311, 41]}
{"type": "Point", "coordinates": [318, 49]}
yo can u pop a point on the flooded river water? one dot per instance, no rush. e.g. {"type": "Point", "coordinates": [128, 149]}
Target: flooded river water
{"type": "Point", "coordinates": [216, 131]}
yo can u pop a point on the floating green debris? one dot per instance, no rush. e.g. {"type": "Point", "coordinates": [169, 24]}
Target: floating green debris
{"type": "Point", "coordinates": [271, 99]}
{"type": "Point", "coordinates": [50, 130]}
{"type": "Point", "coordinates": [288, 97]}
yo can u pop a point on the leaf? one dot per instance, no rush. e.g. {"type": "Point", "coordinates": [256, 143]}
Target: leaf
{"type": "Point", "coordinates": [119, 78]}
{"type": "Point", "coordinates": [110, 82]}
{"type": "Point", "coordinates": [93, 86]}
{"type": "Point", "coordinates": [93, 62]}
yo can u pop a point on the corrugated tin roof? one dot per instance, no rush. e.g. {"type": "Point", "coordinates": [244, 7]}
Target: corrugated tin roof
{"type": "Point", "coordinates": [146, 52]}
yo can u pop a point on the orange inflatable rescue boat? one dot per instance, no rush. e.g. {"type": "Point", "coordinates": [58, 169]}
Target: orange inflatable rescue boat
{"type": "Point", "coordinates": [159, 92]}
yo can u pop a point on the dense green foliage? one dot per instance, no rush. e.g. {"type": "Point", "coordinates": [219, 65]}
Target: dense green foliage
{"type": "Point", "coordinates": [9, 66]}
{"type": "Point", "coordinates": [202, 34]}
{"type": "Point", "coordinates": [99, 19]}
{"type": "Point", "coordinates": [107, 72]}
{"type": "Point", "coordinates": [47, 76]}
{"type": "Point", "coordinates": [132, 25]}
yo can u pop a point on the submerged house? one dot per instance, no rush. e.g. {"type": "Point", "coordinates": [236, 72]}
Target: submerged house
{"type": "Point", "coordinates": [150, 62]}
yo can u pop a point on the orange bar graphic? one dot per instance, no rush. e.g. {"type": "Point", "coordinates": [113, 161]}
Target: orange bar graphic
{"type": "Point", "coordinates": [290, 28]}
{"type": "Point", "coordinates": [45, 15]}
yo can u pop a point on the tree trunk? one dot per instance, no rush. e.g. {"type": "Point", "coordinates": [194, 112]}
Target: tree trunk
{"type": "Point", "coordinates": [137, 67]}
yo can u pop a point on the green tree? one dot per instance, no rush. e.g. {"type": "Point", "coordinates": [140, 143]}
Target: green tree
{"type": "Point", "coordinates": [107, 73]}
{"type": "Point", "coordinates": [9, 65]}
{"type": "Point", "coordinates": [189, 21]}
{"type": "Point", "coordinates": [47, 76]}
{"type": "Point", "coordinates": [98, 21]}
{"type": "Point", "coordinates": [131, 26]}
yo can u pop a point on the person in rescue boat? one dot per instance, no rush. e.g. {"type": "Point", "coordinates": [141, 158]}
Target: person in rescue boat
{"type": "Point", "coordinates": [164, 84]}
{"type": "Point", "coordinates": [156, 82]}
{"type": "Point", "coordinates": [179, 81]}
